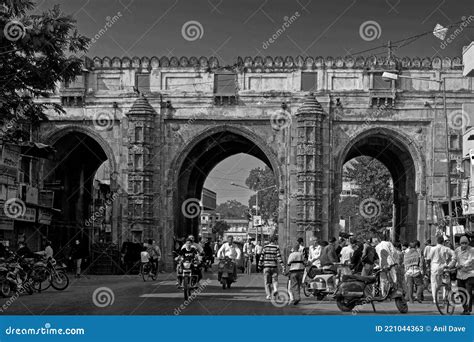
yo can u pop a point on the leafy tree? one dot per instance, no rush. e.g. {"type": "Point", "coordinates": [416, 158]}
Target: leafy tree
{"type": "Point", "coordinates": [220, 227]}
{"type": "Point", "coordinates": [267, 199]}
{"type": "Point", "coordinates": [36, 52]}
{"type": "Point", "coordinates": [232, 209]}
{"type": "Point", "coordinates": [375, 195]}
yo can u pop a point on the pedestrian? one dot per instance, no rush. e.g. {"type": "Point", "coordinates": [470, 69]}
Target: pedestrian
{"type": "Point", "coordinates": [271, 257]}
{"type": "Point", "coordinates": [439, 257]}
{"type": "Point", "coordinates": [258, 254]}
{"type": "Point", "coordinates": [296, 270]}
{"type": "Point", "coordinates": [412, 262]}
{"type": "Point", "coordinates": [387, 257]}
{"type": "Point", "coordinates": [346, 256]}
{"type": "Point", "coordinates": [77, 255]}
{"type": "Point", "coordinates": [248, 251]}
{"type": "Point", "coordinates": [315, 252]}
{"type": "Point", "coordinates": [464, 262]}
{"type": "Point", "coordinates": [356, 259]}
{"type": "Point", "coordinates": [328, 254]}
{"type": "Point", "coordinates": [368, 257]}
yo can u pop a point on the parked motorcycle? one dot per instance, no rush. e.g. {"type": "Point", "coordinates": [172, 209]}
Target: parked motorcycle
{"type": "Point", "coordinates": [16, 279]}
{"type": "Point", "coordinates": [319, 282]}
{"type": "Point", "coordinates": [188, 276]}
{"type": "Point", "coordinates": [225, 273]}
{"type": "Point", "coordinates": [359, 290]}
{"type": "Point", "coordinates": [47, 272]}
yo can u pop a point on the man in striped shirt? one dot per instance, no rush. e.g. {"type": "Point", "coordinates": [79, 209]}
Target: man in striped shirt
{"type": "Point", "coordinates": [269, 261]}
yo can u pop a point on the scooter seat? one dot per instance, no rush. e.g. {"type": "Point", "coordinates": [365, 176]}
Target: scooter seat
{"type": "Point", "coordinates": [364, 279]}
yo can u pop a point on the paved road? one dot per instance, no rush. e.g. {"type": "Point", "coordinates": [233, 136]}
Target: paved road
{"type": "Point", "coordinates": [129, 295]}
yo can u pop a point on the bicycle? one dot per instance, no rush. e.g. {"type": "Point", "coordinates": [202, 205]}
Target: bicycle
{"type": "Point", "coordinates": [148, 270]}
{"type": "Point", "coordinates": [447, 298]}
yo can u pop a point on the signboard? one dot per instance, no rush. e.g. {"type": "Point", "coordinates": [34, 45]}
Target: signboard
{"type": "Point", "coordinates": [44, 217]}
{"type": "Point", "coordinates": [46, 198]}
{"type": "Point", "coordinates": [7, 192]}
{"type": "Point", "coordinates": [257, 221]}
{"type": "Point", "coordinates": [31, 194]}
{"type": "Point", "coordinates": [464, 188]}
{"type": "Point", "coordinates": [29, 216]}
{"type": "Point", "coordinates": [6, 223]}
{"type": "Point", "coordinates": [10, 155]}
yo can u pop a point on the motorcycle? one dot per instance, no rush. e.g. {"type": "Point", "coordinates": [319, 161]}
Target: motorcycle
{"type": "Point", "coordinates": [225, 273]}
{"type": "Point", "coordinates": [188, 276]}
{"type": "Point", "coordinates": [207, 262]}
{"type": "Point", "coordinates": [319, 282]}
{"type": "Point", "coordinates": [15, 279]}
{"type": "Point", "coordinates": [359, 290]}
{"type": "Point", "coordinates": [47, 272]}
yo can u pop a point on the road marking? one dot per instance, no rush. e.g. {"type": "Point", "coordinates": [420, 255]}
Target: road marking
{"type": "Point", "coordinates": [202, 294]}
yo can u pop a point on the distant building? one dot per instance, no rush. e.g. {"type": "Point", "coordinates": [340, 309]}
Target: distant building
{"type": "Point", "coordinates": [208, 213]}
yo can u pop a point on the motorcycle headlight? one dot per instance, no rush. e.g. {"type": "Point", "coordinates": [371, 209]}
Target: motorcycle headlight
{"type": "Point", "coordinates": [187, 264]}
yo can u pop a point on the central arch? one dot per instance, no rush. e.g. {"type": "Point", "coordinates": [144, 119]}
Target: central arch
{"type": "Point", "coordinates": [201, 155]}
{"type": "Point", "coordinates": [406, 166]}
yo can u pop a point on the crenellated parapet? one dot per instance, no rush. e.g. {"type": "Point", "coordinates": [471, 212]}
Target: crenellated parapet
{"type": "Point", "coordinates": [262, 64]}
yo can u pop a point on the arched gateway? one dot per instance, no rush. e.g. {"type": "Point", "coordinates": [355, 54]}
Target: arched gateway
{"type": "Point", "coordinates": [161, 147]}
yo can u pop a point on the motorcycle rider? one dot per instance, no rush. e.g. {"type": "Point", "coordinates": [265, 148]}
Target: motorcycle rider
{"type": "Point", "coordinates": [195, 245]}
{"type": "Point", "coordinates": [229, 249]}
{"type": "Point", "coordinates": [188, 253]}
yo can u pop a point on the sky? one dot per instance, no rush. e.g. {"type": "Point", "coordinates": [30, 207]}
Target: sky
{"type": "Point", "coordinates": [229, 28]}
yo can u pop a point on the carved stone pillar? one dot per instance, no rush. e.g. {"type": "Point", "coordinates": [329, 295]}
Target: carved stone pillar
{"type": "Point", "coordinates": [141, 118]}
{"type": "Point", "coordinates": [309, 121]}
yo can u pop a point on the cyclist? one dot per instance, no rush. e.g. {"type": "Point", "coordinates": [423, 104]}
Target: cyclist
{"type": "Point", "coordinates": [154, 254]}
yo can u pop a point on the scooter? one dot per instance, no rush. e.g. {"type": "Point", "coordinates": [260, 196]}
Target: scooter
{"type": "Point", "coordinates": [359, 290]}
{"type": "Point", "coordinates": [225, 273]}
{"type": "Point", "coordinates": [320, 282]}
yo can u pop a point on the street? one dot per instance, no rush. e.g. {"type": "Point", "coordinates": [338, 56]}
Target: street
{"type": "Point", "coordinates": [130, 295]}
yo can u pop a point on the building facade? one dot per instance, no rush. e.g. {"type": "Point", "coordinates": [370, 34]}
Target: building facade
{"type": "Point", "coordinates": [304, 117]}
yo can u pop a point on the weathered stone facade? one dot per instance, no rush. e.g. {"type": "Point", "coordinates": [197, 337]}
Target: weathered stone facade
{"type": "Point", "coordinates": [187, 124]}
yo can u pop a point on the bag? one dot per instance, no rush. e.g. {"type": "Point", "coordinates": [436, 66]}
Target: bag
{"type": "Point", "coordinates": [413, 271]}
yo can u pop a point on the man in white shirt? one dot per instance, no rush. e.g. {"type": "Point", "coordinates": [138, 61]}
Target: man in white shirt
{"type": "Point", "coordinates": [439, 257]}
{"type": "Point", "coordinates": [248, 255]}
{"type": "Point", "coordinates": [386, 252]}
{"type": "Point", "coordinates": [315, 253]}
{"type": "Point", "coordinates": [229, 249]}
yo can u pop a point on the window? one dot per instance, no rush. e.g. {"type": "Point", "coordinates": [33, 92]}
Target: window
{"type": "Point", "coordinates": [380, 83]}
{"type": "Point", "coordinates": [138, 134]}
{"type": "Point", "coordinates": [138, 161]}
{"type": "Point", "coordinates": [143, 83]}
{"type": "Point", "coordinates": [72, 101]}
{"type": "Point", "coordinates": [454, 142]}
{"type": "Point", "coordinates": [225, 84]}
{"type": "Point", "coordinates": [309, 81]}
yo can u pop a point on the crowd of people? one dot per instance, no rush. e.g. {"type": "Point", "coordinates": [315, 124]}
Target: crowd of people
{"type": "Point", "coordinates": [416, 267]}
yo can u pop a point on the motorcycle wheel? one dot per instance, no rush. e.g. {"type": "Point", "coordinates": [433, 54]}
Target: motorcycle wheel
{"type": "Point", "coordinates": [5, 288]}
{"type": "Point", "coordinates": [186, 289]}
{"type": "Point", "coordinates": [59, 280]}
{"type": "Point", "coordinates": [306, 291]}
{"type": "Point", "coordinates": [41, 277]}
{"type": "Point", "coordinates": [344, 305]}
{"type": "Point", "coordinates": [402, 305]}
